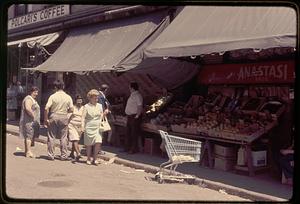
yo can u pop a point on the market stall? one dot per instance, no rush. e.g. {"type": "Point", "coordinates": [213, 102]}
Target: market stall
{"type": "Point", "coordinates": [232, 112]}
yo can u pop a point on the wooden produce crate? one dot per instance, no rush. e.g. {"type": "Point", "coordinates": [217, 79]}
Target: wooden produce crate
{"type": "Point", "coordinates": [151, 146]}
{"type": "Point", "coordinates": [225, 151]}
{"type": "Point", "coordinates": [223, 163]}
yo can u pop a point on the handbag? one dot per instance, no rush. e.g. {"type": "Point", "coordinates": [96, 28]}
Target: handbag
{"type": "Point", "coordinates": [104, 125]}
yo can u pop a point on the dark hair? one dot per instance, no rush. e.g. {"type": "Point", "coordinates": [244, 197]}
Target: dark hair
{"type": "Point", "coordinates": [33, 89]}
{"type": "Point", "coordinates": [78, 96]}
{"type": "Point", "coordinates": [134, 85]}
{"type": "Point", "coordinates": [58, 84]}
{"type": "Point", "coordinates": [103, 87]}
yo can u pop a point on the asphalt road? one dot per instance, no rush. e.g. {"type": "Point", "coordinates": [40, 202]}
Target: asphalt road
{"type": "Point", "coordinates": [42, 179]}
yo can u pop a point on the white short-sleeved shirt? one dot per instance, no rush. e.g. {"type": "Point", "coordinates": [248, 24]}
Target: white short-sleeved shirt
{"type": "Point", "coordinates": [59, 102]}
{"type": "Point", "coordinates": [135, 99]}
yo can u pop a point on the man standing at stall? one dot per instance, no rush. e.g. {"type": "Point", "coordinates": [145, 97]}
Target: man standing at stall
{"type": "Point", "coordinates": [58, 106]}
{"type": "Point", "coordinates": [106, 108]}
{"type": "Point", "coordinates": [133, 111]}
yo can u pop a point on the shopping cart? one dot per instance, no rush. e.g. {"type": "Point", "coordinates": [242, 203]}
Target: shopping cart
{"type": "Point", "coordinates": [179, 150]}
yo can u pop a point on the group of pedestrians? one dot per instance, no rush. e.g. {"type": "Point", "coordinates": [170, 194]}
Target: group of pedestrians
{"type": "Point", "coordinates": [68, 122]}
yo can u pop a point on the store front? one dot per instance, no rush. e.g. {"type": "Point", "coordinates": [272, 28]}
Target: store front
{"type": "Point", "coordinates": [233, 108]}
{"type": "Point", "coordinates": [246, 101]}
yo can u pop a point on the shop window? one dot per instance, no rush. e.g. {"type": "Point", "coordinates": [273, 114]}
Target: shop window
{"type": "Point", "coordinates": [20, 9]}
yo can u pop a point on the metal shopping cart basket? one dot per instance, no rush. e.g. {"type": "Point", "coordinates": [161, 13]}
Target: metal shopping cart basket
{"type": "Point", "coordinates": [179, 150]}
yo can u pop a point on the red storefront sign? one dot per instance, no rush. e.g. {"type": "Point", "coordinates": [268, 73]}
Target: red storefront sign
{"type": "Point", "coordinates": [250, 73]}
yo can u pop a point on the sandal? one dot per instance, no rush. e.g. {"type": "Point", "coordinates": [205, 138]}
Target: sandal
{"type": "Point", "coordinates": [78, 157]}
{"type": "Point", "coordinates": [95, 162]}
{"type": "Point", "coordinates": [29, 155]}
{"type": "Point", "coordinates": [88, 162]}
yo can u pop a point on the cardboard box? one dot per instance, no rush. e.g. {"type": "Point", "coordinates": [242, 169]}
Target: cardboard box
{"type": "Point", "coordinates": [151, 146]}
{"type": "Point", "coordinates": [259, 158]}
{"type": "Point", "coordinates": [223, 163]}
{"type": "Point", "coordinates": [225, 151]}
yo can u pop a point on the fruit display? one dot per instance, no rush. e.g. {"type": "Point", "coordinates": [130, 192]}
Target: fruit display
{"type": "Point", "coordinates": [200, 118]}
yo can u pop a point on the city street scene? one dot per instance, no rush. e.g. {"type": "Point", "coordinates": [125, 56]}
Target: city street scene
{"type": "Point", "coordinates": [150, 103]}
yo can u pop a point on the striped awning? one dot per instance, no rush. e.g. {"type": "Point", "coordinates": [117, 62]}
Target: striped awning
{"type": "Point", "coordinates": [43, 40]}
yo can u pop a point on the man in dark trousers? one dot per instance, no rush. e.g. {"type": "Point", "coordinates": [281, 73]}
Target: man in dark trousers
{"type": "Point", "coordinates": [133, 111]}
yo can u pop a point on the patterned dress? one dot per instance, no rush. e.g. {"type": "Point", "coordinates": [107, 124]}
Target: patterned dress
{"type": "Point", "coordinates": [29, 127]}
{"type": "Point", "coordinates": [75, 124]}
{"type": "Point", "coordinates": [93, 119]}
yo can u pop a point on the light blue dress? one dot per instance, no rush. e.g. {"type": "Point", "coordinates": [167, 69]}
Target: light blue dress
{"type": "Point", "coordinates": [93, 119]}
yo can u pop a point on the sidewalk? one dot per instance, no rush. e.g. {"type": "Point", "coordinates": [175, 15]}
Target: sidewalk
{"type": "Point", "coordinates": [258, 188]}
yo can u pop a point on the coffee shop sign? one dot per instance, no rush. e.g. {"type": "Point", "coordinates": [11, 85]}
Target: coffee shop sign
{"type": "Point", "coordinates": [39, 16]}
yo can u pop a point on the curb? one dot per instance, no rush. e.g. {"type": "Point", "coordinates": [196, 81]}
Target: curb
{"type": "Point", "coordinates": [253, 196]}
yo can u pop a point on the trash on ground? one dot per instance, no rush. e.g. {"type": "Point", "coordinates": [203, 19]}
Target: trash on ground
{"type": "Point", "coordinates": [222, 191]}
{"type": "Point", "coordinates": [140, 170]}
{"type": "Point", "coordinates": [18, 149]}
{"type": "Point", "coordinates": [127, 172]}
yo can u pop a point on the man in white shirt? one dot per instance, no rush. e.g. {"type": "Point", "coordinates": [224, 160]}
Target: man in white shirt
{"type": "Point", "coordinates": [133, 111]}
{"type": "Point", "coordinates": [58, 106]}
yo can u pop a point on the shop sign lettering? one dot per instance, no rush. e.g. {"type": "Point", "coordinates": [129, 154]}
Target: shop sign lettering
{"type": "Point", "coordinates": [274, 71]}
{"type": "Point", "coordinates": [261, 72]}
{"type": "Point", "coordinates": [38, 16]}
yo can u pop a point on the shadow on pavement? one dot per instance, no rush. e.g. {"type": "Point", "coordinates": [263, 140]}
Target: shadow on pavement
{"type": "Point", "coordinates": [45, 157]}
{"type": "Point", "coordinates": [19, 154]}
{"type": "Point", "coordinates": [262, 183]}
